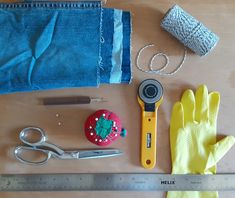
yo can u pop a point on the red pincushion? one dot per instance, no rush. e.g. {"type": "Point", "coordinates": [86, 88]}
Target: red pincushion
{"type": "Point", "coordinates": [91, 123]}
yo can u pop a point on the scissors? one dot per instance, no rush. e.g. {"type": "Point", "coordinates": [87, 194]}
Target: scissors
{"type": "Point", "coordinates": [39, 145]}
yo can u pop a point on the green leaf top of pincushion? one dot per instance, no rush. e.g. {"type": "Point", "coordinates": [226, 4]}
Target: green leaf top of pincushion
{"type": "Point", "coordinates": [103, 127]}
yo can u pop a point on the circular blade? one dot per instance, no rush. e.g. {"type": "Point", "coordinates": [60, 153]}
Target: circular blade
{"type": "Point", "coordinates": [150, 91]}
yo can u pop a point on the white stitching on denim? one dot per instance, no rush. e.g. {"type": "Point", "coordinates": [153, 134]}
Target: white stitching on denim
{"type": "Point", "coordinates": [68, 4]}
{"type": "Point", "coordinates": [100, 62]}
{"type": "Point", "coordinates": [101, 38]}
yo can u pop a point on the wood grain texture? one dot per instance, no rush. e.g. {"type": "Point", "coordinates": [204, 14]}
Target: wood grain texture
{"type": "Point", "coordinates": [216, 70]}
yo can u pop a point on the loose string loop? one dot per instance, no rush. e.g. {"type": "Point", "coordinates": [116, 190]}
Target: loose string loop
{"type": "Point", "coordinates": [159, 71]}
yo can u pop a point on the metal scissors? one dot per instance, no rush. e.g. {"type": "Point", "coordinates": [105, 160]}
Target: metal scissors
{"type": "Point", "coordinates": [39, 145]}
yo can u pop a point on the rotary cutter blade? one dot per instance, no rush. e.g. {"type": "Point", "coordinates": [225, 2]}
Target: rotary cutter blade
{"type": "Point", "coordinates": [150, 96]}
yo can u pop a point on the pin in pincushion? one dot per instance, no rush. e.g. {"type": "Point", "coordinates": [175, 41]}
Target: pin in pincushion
{"type": "Point", "coordinates": [103, 127]}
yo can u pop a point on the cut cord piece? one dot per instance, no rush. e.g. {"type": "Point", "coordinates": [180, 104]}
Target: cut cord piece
{"type": "Point", "coordinates": [160, 70]}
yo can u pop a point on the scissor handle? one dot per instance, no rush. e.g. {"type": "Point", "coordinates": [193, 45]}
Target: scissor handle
{"type": "Point", "coordinates": [20, 149]}
{"type": "Point", "coordinates": [40, 140]}
{"type": "Point", "coordinates": [26, 132]}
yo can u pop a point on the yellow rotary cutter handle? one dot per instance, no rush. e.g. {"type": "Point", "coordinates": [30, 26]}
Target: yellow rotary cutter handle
{"type": "Point", "coordinates": [150, 95]}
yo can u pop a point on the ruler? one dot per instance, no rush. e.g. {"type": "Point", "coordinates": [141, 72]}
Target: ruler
{"type": "Point", "coordinates": [116, 182]}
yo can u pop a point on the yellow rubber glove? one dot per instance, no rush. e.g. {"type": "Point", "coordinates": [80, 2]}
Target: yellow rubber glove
{"type": "Point", "coordinates": [194, 149]}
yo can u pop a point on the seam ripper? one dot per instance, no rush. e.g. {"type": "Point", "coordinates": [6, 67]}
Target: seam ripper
{"type": "Point", "coordinates": [73, 100]}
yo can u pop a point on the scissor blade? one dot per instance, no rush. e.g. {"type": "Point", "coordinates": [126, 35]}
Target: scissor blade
{"type": "Point", "coordinates": [99, 153]}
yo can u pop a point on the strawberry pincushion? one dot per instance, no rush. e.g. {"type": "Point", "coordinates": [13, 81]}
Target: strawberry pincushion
{"type": "Point", "coordinates": [103, 127]}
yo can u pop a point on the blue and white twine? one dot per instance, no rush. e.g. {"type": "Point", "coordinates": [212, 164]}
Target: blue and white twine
{"type": "Point", "coordinates": [189, 31]}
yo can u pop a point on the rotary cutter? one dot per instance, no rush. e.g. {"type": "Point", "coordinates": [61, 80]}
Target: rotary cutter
{"type": "Point", "coordinates": [150, 95]}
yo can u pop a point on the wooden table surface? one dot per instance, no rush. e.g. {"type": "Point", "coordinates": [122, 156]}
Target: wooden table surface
{"type": "Point", "coordinates": [216, 70]}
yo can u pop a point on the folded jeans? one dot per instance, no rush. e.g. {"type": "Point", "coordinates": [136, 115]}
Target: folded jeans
{"type": "Point", "coordinates": [51, 45]}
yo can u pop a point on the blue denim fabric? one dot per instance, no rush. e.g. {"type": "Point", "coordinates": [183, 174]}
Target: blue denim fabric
{"type": "Point", "coordinates": [116, 50]}
{"type": "Point", "coordinates": [116, 72]}
{"type": "Point", "coordinates": [126, 55]}
{"type": "Point", "coordinates": [48, 45]}
{"type": "Point", "coordinates": [107, 44]}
